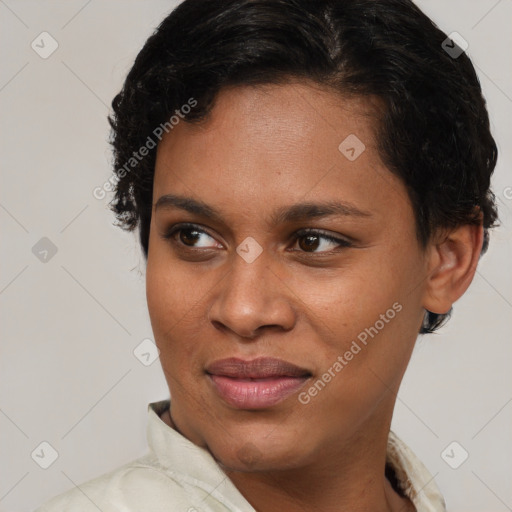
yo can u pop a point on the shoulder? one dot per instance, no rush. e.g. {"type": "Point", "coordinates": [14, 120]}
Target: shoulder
{"type": "Point", "coordinates": [139, 485]}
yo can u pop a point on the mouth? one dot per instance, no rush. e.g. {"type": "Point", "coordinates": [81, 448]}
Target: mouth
{"type": "Point", "coordinates": [256, 384]}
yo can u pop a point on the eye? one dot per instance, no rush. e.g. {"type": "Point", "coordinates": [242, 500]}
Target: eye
{"type": "Point", "coordinates": [312, 241]}
{"type": "Point", "coordinates": [190, 234]}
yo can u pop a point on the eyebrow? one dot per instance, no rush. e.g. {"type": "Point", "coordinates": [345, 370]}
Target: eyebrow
{"type": "Point", "coordinates": [293, 213]}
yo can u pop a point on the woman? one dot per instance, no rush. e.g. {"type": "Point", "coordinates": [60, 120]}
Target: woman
{"type": "Point", "coordinates": [310, 181]}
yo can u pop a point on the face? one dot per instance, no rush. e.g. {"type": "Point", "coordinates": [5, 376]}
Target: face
{"type": "Point", "coordinates": [284, 323]}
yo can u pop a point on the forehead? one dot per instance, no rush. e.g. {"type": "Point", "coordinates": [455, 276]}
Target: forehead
{"type": "Point", "coordinates": [269, 145]}
{"type": "Point", "coordinates": [279, 115]}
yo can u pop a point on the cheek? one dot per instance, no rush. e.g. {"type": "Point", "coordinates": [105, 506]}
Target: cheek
{"type": "Point", "coordinates": [161, 297]}
{"type": "Point", "coordinates": [170, 291]}
{"type": "Point", "coordinates": [174, 309]}
{"type": "Point", "coordinates": [370, 316]}
{"type": "Point", "coordinates": [349, 299]}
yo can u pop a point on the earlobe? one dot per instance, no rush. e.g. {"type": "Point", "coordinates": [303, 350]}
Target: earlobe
{"type": "Point", "coordinates": [452, 262]}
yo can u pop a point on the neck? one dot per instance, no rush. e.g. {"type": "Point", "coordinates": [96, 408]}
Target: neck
{"type": "Point", "coordinates": [351, 478]}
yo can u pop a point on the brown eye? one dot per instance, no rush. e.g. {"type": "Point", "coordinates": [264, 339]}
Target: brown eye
{"type": "Point", "coordinates": [310, 240]}
{"type": "Point", "coordinates": [189, 236]}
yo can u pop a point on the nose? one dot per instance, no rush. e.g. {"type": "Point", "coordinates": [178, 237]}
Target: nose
{"type": "Point", "coordinates": [252, 298]}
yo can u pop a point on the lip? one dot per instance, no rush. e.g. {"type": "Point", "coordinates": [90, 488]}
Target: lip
{"type": "Point", "coordinates": [255, 384]}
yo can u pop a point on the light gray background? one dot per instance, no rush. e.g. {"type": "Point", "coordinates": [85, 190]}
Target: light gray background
{"type": "Point", "coordinates": [70, 325]}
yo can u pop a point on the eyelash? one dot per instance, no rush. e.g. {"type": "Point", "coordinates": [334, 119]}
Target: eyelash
{"type": "Point", "coordinates": [172, 231]}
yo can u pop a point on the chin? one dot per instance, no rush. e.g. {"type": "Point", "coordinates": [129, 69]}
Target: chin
{"type": "Point", "coordinates": [262, 449]}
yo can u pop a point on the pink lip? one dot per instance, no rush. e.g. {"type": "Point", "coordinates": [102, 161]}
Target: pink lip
{"type": "Point", "coordinates": [255, 384]}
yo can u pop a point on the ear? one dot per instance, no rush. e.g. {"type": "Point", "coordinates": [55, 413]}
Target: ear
{"type": "Point", "coordinates": [452, 261]}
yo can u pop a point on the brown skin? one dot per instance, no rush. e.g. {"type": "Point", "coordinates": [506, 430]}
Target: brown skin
{"type": "Point", "coordinates": [263, 148]}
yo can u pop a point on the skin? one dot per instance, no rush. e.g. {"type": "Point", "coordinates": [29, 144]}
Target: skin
{"type": "Point", "coordinates": [263, 148]}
